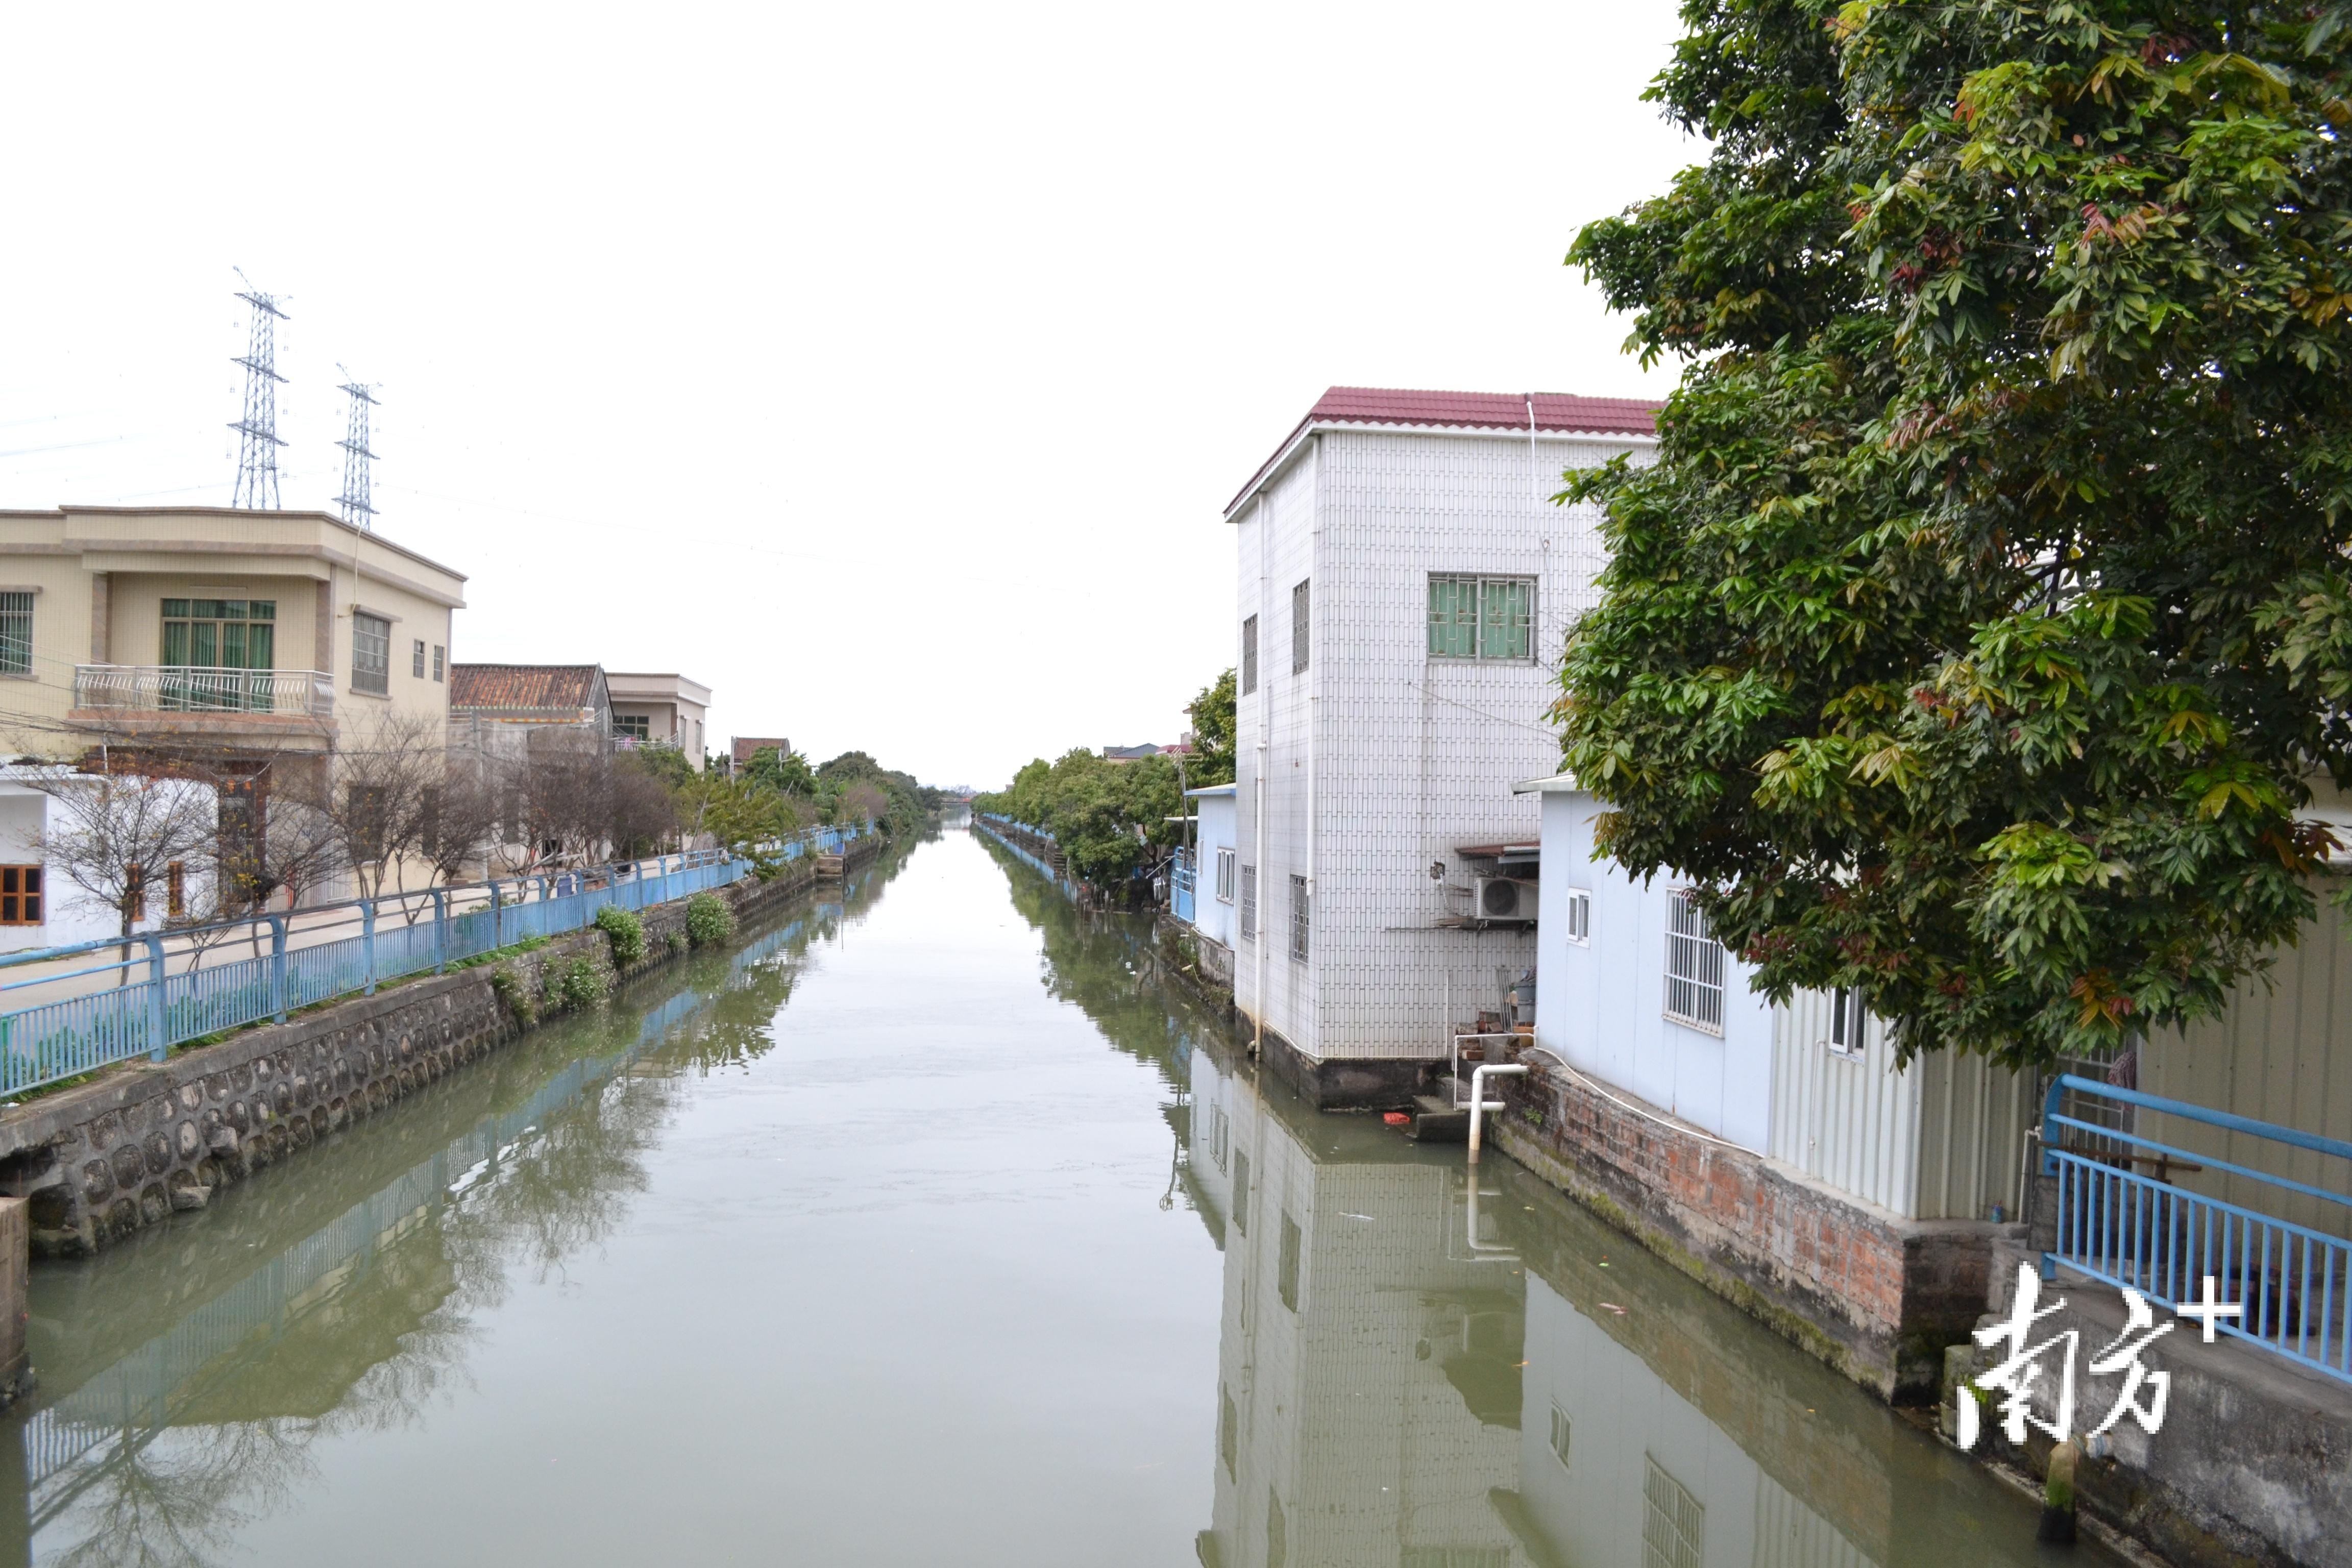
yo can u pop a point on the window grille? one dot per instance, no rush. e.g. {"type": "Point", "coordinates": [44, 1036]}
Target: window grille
{"type": "Point", "coordinates": [417, 659]}
{"type": "Point", "coordinates": [371, 654]}
{"type": "Point", "coordinates": [1298, 628]}
{"type": "Point", "coordinates": [1482, 617]}
{"type": "Point", "coordinates": [15, 634]}
{"type": "Point", "coordinates": [1674, 1522]}
{"type": "Point", "coordinates": [1249, 903]}
{"type": "Point", "coordinates": [1693, 966]}
{"type": "Point", "coordinates": [1249, 655]}
{"type": "Point", "coordinates": [175, 889]}
{"type": "Point", "coordinates": [1577, 917]}
{"type": "Point", "coordinates": [20, 895]}
{"type": "Point", "coordinates": [1845, 1021]}
{"type": "Point", "coordinates": [1286, 1277]}
{"type": "Point", "coordinates": [1298, 913]}
{"type": "Point", "coordinates": [440, 660]}
{"type": "Point", "coordinates": [1224, 876]}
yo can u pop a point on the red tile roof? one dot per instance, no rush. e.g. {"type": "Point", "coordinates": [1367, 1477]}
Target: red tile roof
{"type": "Point", "coordinates": [537, 689]}
{"type": "Point", "coordinates": [1554, 411]}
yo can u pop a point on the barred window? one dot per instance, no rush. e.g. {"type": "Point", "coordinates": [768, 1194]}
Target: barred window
{"type": "Point", "coordinates": [417, 659]}
{"type": "Point", "coordinates": [1482, 617]}
{"type": "Point", "coordinates": [1298, 913]}
{"type": "Point", "coordinates": [371, 654]}
{"type": "Point", "coordinates": [1249, 903]}
{"type": "Point", "coordinates": [1674, 1522]}
{"type": "Point", "coordinates": [1224, 876]}
{"type": "Point", "coordinates": [1693, 966]}
{"type": "Point", "coordinates": [15, 634]}
{"type": "Point", "coordinates": [1249, 655]}
{"type": "Point", "coordinates": [440, 659]}
{"type": "Point", "coordinates": [1298, 628]}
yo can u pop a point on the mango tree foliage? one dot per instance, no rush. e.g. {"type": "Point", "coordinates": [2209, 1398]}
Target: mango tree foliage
{"type": "Point", "coordinates": [1985, 619]}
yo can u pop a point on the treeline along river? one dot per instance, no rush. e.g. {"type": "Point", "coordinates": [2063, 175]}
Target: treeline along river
{"type": "Point", "coordinates": [928, 1226]}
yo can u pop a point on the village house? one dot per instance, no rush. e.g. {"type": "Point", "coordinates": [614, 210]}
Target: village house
{"type": "Point", "coordinates": [232, 652]}
{"type": "Point", "coordinates": [1403, 582]}
{"type": "Point", "coordinates": [661, 709]}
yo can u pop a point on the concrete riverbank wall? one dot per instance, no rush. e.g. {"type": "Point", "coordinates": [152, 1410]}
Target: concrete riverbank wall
{"type": "Point", "coordinates": [95, 1163]}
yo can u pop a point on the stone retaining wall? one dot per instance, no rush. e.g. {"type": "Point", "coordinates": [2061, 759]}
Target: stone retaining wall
{"type": "Point", "coordinates": [98, 1162]}
{"type": "Point", "coordinates": [1875, 1295]}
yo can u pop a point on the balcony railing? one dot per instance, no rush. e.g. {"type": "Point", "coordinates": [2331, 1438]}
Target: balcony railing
{"type": "Point", "coordinates": [186, 689]}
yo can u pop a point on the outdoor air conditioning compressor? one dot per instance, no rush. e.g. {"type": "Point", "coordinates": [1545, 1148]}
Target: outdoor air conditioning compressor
{"type": "Point", "coordinates": [1502, 899]}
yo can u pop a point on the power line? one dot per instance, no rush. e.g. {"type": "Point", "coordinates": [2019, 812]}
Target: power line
{"type": "Point", "coordinates": [358, 510]}
{"type": "Point", "coordinates": [257, 442]}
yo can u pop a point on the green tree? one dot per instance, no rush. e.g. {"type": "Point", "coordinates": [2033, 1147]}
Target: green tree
{"type": "Point", "coordinates": [1107, 816]}
{"type": "Point", "coordinates": [787, 773]}
{"type": "Point", "coordinates": [1212, 711]}
{"type": "Point", "coordinates": [1986, 615]}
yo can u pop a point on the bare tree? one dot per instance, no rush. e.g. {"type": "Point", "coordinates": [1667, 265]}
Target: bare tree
{"type": "Point", "coordinates": [377, 797]}
{"type": "Point", "coordinates": [116, 835]}
{"type": "Point", "coordinates": [461, 819]}
{"type": "Point", "coordinates": [644, 809]}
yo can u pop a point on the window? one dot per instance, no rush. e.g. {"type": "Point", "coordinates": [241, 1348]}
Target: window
{"type": "Point", "coordinates": [1278, 1531]}
{"type": "Point", "coordinates": [1249, 655]}
{"type": "Point", "coordinates": [175, 890]}
{"type": "Point", "coordinates": [1298, 629]}
{"type": "Point", "coordinates": [636, 724]}
{"type": "Point", "coordinates": [371, 654]}
{"type": "Point", "coordinates": [1674, 1522]}
{"type": "Point", "coordinates": [16, 636]}
{"type": "Point", "coordinates": [1249, 903]}
{"type": "Point", "coordinates": [1298, 918]}
{"type": "Point", "coordinates": [1846, 1021]}
{"type": "Point", "coordinates": [1224, 876]}
{"type": "Point", "coordinates": [1482, 617]}
{"type": "Point", "coordinates": [220, 633]}
{"type": "Point", "coordinates": [417, 659]}
{"type": "Point", "coordinates": [1560, 1434]}
{"type": "Point", "coordinates": [1229, 1427]}
{"type": "Point", "coordinates": [20, 895]}
{"type": "Point", "coordinates": [440, 659]}
{"type": "Point", "coordinates": [134, 891]}
{"type": "Point", "coordinates": [1576, 918]}
{"type": "Point", "coordinates": [1221, 1138]}
{"type": "Point", "coordinates": [1693, 966]}
{"type": "Point", "coordinates": [1286, 1276]}
{"type": "Point", "coordinates": [1240, 1192]}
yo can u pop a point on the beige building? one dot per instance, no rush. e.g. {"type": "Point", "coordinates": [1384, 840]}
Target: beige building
{"type": "Point", "coordinates": [657, 710]}
{"type": "Point", "coordinates": [252, 639]}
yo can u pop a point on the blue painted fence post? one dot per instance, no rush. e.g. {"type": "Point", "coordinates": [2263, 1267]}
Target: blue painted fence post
{"type": "Point", "coordinates": [367, 942]}
{"type": "Point", "coordinates": [157, 1044]}
{"type": "Point", "coordinates": [278, 966]}
{"type": "Point", "coordinates": [440, 930]}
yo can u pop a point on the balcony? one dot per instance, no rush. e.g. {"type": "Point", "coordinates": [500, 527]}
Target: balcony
{"type": "Point", "coordinates": [149, 695]}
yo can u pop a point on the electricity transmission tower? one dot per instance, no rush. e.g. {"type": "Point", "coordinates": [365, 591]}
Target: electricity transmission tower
{"type": "Point", "coordinates": [358, 510]}
{"type": "Point", "coordinates": [257, 442]}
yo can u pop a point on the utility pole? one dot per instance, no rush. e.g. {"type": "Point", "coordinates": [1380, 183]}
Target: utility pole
{"type": "Point", "coordinates": [257, 442]}
{"type": "Point", "coordinates": [358, 510]}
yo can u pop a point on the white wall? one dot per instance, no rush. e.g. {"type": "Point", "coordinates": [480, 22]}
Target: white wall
{"type": "Point", "coordinates": [70, 914]}
{"type": "Point", "coordinates": [1603, 1006]}
{"type": "Point", "coordinates": [1405, 758]}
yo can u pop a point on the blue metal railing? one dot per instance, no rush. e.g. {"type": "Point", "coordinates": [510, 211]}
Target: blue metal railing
{"type": "Point", "coordinates": [1182, 878]}
{"type": "Point", "coordinates": [118, 998]}
{"type": "Point", "coordinates": [2125, 1227]}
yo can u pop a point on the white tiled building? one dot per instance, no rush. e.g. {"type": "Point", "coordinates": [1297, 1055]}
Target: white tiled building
{"type": "Point", "coordinates": [1403, 586]}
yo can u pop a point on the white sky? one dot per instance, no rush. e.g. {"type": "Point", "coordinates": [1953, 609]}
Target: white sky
{"type": "Point", "coordinates": [886, 368]}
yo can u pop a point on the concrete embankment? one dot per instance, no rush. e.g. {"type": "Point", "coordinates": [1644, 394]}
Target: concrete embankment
{"type": "Point", "coordinates": [94, 1163]}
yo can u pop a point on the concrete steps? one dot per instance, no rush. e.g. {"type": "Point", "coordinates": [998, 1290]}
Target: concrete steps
{"type": "Point", "coordinates": [1434, 1120]}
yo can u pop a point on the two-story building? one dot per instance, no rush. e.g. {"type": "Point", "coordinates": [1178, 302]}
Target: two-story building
{"type": "Point", "coordinates": [660, 710]}
{"type": "Point", "coordinates": [1405, 583]}
{"type": "Point", "coordinates": [224, 649]}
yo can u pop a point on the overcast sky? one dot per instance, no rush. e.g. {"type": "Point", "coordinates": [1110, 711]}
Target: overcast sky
{"type": "Point", "coordinates": [885, 367]}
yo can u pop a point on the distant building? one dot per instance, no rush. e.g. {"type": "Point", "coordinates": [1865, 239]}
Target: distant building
{"type": "Point", "coordinates": [530, 694]}
{"type": "Point", "coordinates": [744, 748]}
{"type": "Point", "coordinates": [1137, 754]}
{"type": "Point", "coordinates": [660, 710]}
{"type": "Point", "coordinates": [1404, 586]}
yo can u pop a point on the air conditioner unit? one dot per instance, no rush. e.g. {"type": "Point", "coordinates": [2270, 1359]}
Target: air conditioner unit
{"type": "Point", "coordinates": [1502, 899]}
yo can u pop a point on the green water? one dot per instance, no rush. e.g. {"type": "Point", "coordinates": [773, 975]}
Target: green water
{"type": "Point", "coordinates": [928, 1228]}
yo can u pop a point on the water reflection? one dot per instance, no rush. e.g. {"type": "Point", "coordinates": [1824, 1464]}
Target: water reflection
{"type": "Point", "coordinates": [320, 1301]}
{"type": "Point", "coordinates": [1414, 1371]}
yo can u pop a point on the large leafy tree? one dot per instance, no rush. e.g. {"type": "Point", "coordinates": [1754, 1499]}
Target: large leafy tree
{"type": "Point", "coordinates": [1985, 620]}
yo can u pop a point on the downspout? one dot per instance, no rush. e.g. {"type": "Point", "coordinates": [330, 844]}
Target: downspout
{"type": "Point", "coordinates": [1264, 724]}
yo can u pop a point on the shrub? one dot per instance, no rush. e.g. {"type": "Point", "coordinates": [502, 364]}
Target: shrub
{"type": "Point", "coordinates": [707, 920]}
{"type": "Point", "coordinates": [625, 932]}
{"type": "Point", "coordinates": [516, 995]}
{"type": "Point", "coordinates": [678, 942]}
{"type": "Point", "coordinates": [581, 984]}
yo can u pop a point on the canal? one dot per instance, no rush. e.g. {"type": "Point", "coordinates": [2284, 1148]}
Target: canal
{"type": "Point", "coordinates": [926, 1227]}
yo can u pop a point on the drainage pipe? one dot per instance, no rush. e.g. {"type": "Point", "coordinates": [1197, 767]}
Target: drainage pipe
{"type": "Point", "coordinates": [1479, 1105]}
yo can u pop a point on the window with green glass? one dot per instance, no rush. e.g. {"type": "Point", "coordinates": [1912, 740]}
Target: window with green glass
{"type": "Point", "coordinates": [1482, 617]}
{"type": "Point", "coordinates": [220, 633]}
{"type": "Point", "coordinates": [15, 634]}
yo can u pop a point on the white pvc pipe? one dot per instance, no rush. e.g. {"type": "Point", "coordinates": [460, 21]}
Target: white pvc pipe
{"type": "Point", "coordinates": [1478, 1106]}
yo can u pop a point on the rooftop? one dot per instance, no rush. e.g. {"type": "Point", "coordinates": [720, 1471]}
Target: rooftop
{"type": "Point", "coordinates": [534, 689]}
{"type": "Point", "coordinates": [1560, 413]}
